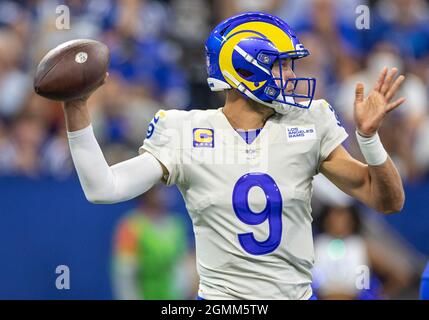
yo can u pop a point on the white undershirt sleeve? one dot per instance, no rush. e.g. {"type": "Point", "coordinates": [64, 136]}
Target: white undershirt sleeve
{"type": "Point", "coordinates": [104, 184]}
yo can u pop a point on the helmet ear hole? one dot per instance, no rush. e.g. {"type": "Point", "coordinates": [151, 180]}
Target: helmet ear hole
{"type": "Point", "coordinates": [244, 73]}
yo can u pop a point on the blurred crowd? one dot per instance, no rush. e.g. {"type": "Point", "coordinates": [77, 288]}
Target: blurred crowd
{"type": "Point", "coordinates": [158, 61]}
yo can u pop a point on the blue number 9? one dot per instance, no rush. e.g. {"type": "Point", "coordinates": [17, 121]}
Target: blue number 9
{"type": "Point", "coordinates": [150, 130]}
{"type": "Point", "coordinates": [272, 212]}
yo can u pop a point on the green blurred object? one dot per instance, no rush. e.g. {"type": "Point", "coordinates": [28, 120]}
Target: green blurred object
{"type": "Point", "coordinates": [153, 248]}
{"type": "Point", "coordinates": [337, 249]}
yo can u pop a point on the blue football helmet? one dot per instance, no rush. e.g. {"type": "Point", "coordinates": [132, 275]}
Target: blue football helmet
{"type": "Point", "coordinates": [241, 52]}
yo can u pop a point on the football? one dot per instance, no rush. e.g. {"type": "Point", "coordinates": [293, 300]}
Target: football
{"type": "Point", "coordinates": [72, 70]}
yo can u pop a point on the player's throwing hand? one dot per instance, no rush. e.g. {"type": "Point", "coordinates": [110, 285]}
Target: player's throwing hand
{"type": "Point", "coordinates": [369, 112]}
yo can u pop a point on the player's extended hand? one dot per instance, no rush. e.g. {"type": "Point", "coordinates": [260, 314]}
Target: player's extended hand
{"type": "Point", "coordinates": [369, 112]}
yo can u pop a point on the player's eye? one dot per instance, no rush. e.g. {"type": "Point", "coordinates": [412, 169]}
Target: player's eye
{"type": "Point", "coordinates": [285, 63]}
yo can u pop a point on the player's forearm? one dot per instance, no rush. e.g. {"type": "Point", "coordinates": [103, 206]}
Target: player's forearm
{"type": "Point", "coordinates": [104, 184]}
{"type": "Point", "coordinates": [94, 173]}
{"type": "Point", "coordinates": [92, 168]}
{"type": "Point", "coordinates": [386, 187]}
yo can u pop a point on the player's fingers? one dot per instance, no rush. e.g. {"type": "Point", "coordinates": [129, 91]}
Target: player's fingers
{"type": "Point", "coordinates": [387, 82]}
{"type": "Point", "coordinates": [380, 80]}
{"type": "Point", "coordinates": [359, 92]}
{"type": "Point", "coordinates": [394, 87]}
{"type": "Point", "coordinates": [395, 104]}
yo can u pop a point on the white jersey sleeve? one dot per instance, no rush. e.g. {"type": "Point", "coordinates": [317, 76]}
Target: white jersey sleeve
{"type": "Point", "coordinates": [102, 183]}
{"type": "Point", "coordinates": [163, 141]}
{"type": "Point", "coordinates": [332, 132]}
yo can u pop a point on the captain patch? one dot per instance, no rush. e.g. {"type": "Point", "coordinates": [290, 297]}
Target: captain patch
{"type": "Point", "coordinates": [203, 138]}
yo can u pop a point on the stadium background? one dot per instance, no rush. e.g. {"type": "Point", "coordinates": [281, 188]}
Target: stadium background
{"type": "Point", "coordinates": [157, 61]}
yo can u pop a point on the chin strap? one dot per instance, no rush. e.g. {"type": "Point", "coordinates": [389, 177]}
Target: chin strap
{"type": "Point", "coordinates": [279, 107]}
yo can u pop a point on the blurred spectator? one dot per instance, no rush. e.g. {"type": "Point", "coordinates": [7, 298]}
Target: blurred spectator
{"type": "Point", "coordinates": [340, 38]}
{"type": "Point", "coordinates": [189, 28]}
{"type": "Point", "coordinates": [152, 64]}
{"type": "Point", "coordinates": [421, 148]}
{"type": "Point", "coordinates": [55, 157]}
{"type": "Point", "coordinates": [15, 84]}
{"type": "Point", "coordinates": [16, 16]}
{"type": "Point", "coordinates": [342, 255]}
{"type": "Point", "coordinates": [142, 19]}
{"type": "Point", "coordinates": [405, 25]}
{"type": "Point", "coordinates": [150, 258]}
{"type": "Point", "coordinates": [121, 112]}
{"type": "Point", "coordinates": [318, 65]}
{"type": "Point", "coordinates": [10, 12]}
{"type": "Point", "coordinates": [295, 11]}
{"type": "Point", "coordinates": [87, 20]}
{"type": "Point", "coordinates": [3, 134]}
{"type": "Point", "coordinates": [190, 16]}
{"type": "Point", "coordinates": [141, 53]}
{"type": "Point", "coordinates": [229, 8]}
{"type": "Point", "coordinates": [21, 153]}
{"type": "Point", "coordinates": [49, 111]}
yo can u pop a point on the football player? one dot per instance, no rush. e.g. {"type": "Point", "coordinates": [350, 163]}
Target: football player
{"type": "Point", "coordinates": [245, 170]}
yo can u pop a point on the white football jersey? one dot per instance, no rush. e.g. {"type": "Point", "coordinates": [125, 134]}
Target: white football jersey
{"type": "Point", "coordinates": [249, 203]}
